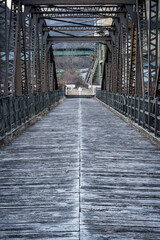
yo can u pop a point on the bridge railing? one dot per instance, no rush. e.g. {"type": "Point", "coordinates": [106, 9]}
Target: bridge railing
{"type": "Point", "coordinates": [142, 110]}
{"type": "Point", "coordinates": [15, 111]}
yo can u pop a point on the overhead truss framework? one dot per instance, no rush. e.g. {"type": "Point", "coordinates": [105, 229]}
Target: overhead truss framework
{"type": "Point", "coordinates": [134, 52]}
{"type": "Point", "coordinates": [79, 11]}
{"type": "Point", "coordinates": [27, 63]}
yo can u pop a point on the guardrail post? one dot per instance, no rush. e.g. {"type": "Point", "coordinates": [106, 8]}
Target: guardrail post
{"type": "Point", "coordinates": [144, 108]}
{"type": "Point", "coordinates": [2, 119]}
{"type": "Point", "coordinates": [27, 103]}
{"type": "Point", "coordinates": [149, 114]}
{"type": "Point", "coordinates": [105, 97]}
{"type": "Point", "coordinates": [24, 102]}
{"type": "Point", "coordinates": [139, 103]}
{"type": "Point", "coordinates": [124, 104]}
{"type": "Point", "coordinates": [120, 102]}
{"type": "Point", "coordinates": [10, 117]}
{"type": "Point", "coordinates": [114, 100]}
{"type": "Point", "coordinates": [156, 114]}
{"type": "Point", "coordinates": [15, 111]}
{"type": "Point", "coordinates": [112, 105]}
{"type": "Point", "coordinates": [119, 105]}
{"type": "Point", "coordinates": [128, 105]}
{"type": "Point", "coordinates": [108, 98]}
{"type": "Point", "coordinates": [131, 101]}
{"type": "Point", "coordinates": [135, 97]}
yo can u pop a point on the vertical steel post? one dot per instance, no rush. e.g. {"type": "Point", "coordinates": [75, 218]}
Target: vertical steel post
{"type": "Point", "coordinates": [143, 42]}
{"type": "Point", "coordinates": [3, 49]}
{"type": "Point", "coordinates": [152, 45]}
{"type": "Point", "coordinates": [132, 80]}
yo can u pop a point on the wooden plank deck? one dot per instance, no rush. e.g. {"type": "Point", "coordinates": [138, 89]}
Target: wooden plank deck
{"type": "Point", "coordinates": [80, 173]}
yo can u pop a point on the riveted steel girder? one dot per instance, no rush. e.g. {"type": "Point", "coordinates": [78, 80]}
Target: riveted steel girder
{"type": "Point", "coordinates": [79, 39]}
{"type": "Point", "coordinates": [77, 28]}
{"type": "Point", "coordinates": [78, 9]}
{"type": "Point", "coordinates": [76, 2]}
{"type": "Point", "coordinates": [3, 49]}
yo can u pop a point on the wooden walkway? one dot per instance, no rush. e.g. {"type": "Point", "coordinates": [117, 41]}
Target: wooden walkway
{"type": "Point", "coordinates": [80, 173]}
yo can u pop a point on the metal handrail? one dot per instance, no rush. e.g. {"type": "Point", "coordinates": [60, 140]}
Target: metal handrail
{"type": "Point", "coordinates": [15, 111]}
{"type": "Point", "coordinates": [143, 110]}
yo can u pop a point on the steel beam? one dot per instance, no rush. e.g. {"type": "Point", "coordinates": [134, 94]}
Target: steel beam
{"type": "Point", "coordinates": [132, 79]}
{"type": "Point", "coordinates": [3, 49]}
{"type": "Point", "coordinates": [152, 46]}
{"type": "Point", "coordinates": [143, 42]}
{"type": "Point", "coordinates": [77, 2]}
{"type": "Point", "coordinates": [79, 39]}
{"type": "Point", "coordinates": [82, 16]}
{"type": "Point", "coordinates": [109, 45]}
{"type": "Point", "coordinates": [78, 12]}
{"type": "Point", "coordinates": [78, 15]}
{"type": "Point", "coordinates": [78, 9]}
{"type": "Point", "coordinates": [133, 14]}
{"type": "Point", "coordinates": [77, 28]}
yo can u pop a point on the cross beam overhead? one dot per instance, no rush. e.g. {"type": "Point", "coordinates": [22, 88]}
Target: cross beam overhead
{"type": "Point", "coordinates": [79, 39]}
{"type": "Point", "coordinates": [78, 28]}
{"type": "Point", "coordinates": [76, 2]}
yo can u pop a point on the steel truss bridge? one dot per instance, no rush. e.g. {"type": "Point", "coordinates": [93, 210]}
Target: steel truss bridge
{"type": "Point", "coordinates": [81, 172]}
{"type": "Point", "coordinates": [27, 63]}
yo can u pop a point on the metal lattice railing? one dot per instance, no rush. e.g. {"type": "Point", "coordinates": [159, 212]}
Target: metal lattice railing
{"type": "Point", "coordinates": [15, 111]}
{"type": "Point", "coordinates": [143, 110]}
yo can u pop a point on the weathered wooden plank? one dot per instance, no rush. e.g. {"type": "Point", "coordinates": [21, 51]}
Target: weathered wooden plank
{"type": "Point", "coordinates": [120, 179]}
{"type": "Point", "coordinates": [39, 180]}
{"type": "Point", "coordinates": [80, 173]}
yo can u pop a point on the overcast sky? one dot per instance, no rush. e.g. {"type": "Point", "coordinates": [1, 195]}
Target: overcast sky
{"type": "Point", "coordinates": [9, 3]}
